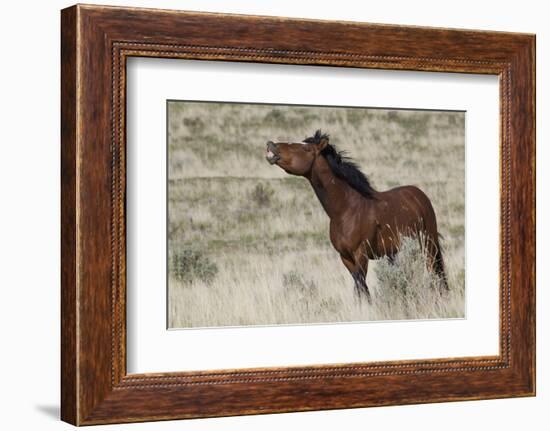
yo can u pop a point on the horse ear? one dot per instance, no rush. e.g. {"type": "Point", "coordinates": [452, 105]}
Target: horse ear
{"type": "Point", "coordinates": [323, 143]}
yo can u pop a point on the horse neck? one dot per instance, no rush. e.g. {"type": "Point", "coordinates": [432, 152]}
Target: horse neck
{"type": "Point", "coordinates": [335, 195]}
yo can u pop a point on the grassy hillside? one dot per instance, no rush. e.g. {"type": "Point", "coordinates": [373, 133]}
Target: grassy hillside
{"type": "Point", "coordinates": [249, 245]}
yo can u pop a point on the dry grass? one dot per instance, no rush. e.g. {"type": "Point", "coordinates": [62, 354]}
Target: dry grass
{"type": "Point", "coordinates": [265, 232]}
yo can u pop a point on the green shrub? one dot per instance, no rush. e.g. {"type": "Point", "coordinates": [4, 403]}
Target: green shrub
{"type": "Point", "coordinates": [195, 125]}
{"type": "Point", "coordinates": [407, 283]}
{"type": "Point", "coordinates": [274, 116]}
{"type": "Point", "coordinates": [295, 281]}
{"type": "Point", "coordinates": [262, 195]}
{"type": "Point", "coordinates": [188, 265]}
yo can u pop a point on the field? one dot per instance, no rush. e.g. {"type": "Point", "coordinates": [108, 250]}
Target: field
{"type": "Point", "coordinates": [248, 244]}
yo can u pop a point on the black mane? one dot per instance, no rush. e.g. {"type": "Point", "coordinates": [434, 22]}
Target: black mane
{"type": "Point", "coordinates": [342, 166]}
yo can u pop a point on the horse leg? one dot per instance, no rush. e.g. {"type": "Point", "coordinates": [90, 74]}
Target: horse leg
{"type": "Point", "coordinates": [359, 274]}
{"type": "Point", "coordinates": [361, 287]}
{"type": "Point", "coordinates": [363, 266]}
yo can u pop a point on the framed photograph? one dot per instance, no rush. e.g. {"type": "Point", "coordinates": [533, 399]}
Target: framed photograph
{"type": "Point", "coordinates": [263, 214]}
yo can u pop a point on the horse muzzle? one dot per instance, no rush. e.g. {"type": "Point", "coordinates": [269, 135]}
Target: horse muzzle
{"type": "Point", "coordinates": [272, 155]}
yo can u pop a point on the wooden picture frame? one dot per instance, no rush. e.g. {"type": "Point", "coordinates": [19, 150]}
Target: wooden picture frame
{"type": "Point", "coordinates": [95, 43]}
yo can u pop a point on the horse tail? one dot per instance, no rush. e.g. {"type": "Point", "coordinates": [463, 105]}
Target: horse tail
{"type": "Point", "coordinates": [439, 265]}
{"type": "Point", "coordinates": [432, 236]}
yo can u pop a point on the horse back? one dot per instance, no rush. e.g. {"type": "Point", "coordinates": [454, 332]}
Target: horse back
{"type": "Point", "coordinates": [405, 209]}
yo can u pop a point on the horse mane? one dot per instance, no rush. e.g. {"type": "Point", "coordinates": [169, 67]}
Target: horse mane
{"type": "Point", "coordinates": [343, 166]}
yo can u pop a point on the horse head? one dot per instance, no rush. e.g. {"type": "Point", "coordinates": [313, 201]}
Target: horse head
{"type": "Point", "coordinates": [296, 158]}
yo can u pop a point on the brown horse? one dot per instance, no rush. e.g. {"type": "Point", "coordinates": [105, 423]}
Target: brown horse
{"type": "Point", "coordinates": [364, 223]}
